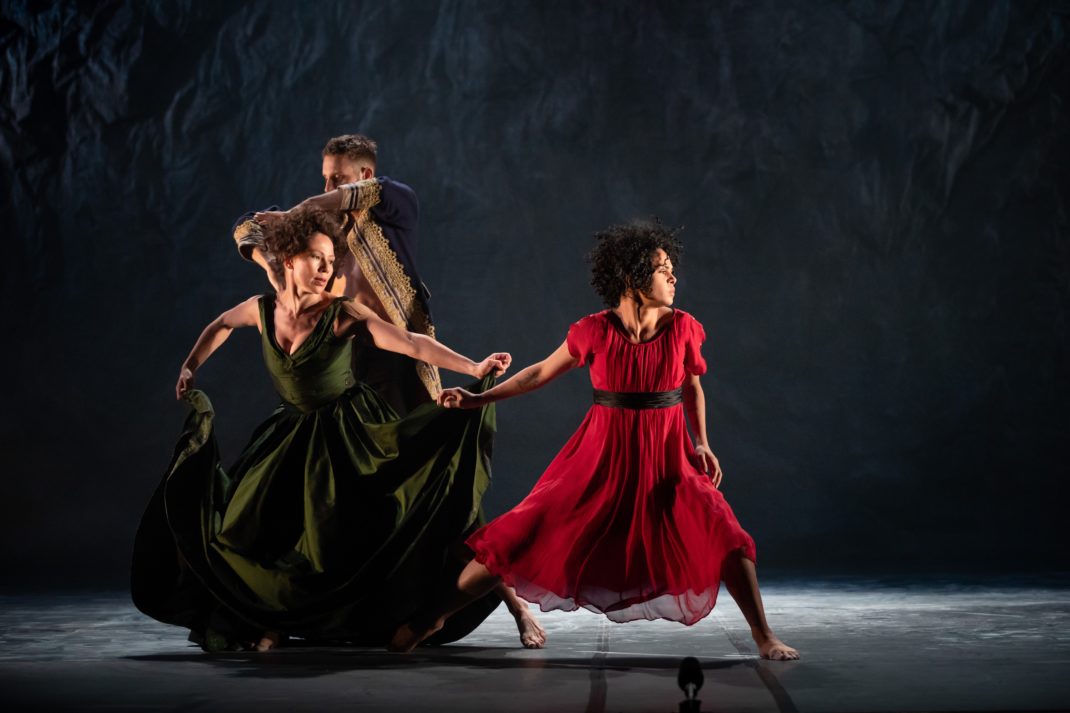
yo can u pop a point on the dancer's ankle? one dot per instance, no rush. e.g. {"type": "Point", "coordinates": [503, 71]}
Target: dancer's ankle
{"type": "Point", "coordinates": [761, 634]}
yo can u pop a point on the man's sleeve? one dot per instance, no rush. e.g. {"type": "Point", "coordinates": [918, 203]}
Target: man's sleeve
{"type": "Point", "coordinates": [247, 233]}
{"type": "Point", "coordinates": [390, 201]}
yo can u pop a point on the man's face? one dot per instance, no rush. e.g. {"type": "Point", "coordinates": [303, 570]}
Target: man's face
{"type": "Point", "coordinates": [339, 170]}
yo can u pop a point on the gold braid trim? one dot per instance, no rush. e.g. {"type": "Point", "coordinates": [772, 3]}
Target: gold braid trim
{"type": "Point", "coordinates": [386, 275]}
{"type": "Point", "coordinates": [361, 195]}
{"type": "Point", "coordinates": [248, 236]}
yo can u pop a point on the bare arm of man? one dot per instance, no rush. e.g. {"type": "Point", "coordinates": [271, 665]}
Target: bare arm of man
{"type": "Point", "coordinates": [394, 202]}
{"type": "Point", "coordinates": [331, 201]}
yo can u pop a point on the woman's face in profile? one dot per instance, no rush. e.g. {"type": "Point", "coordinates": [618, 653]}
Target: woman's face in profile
{"type": "Point", "coordinates": [313, 268]}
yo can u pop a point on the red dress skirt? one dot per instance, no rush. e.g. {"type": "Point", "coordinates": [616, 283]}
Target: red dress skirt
{"type": "Point", "coordinates": [622, 522]}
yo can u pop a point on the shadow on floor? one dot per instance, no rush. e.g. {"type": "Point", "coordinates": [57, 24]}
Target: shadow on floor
{"type": "Point", "coordinates": [312, 663]}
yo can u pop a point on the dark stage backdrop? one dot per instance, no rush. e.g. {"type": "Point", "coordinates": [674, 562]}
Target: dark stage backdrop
{"type": "Point", "coordinates": [875, 201]}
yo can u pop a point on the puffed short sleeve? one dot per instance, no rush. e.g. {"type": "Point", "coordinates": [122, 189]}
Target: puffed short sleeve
{"type": "Point", "coordinates": [581, 340]}
{"type": "Point", "coordinates": [694, 336]}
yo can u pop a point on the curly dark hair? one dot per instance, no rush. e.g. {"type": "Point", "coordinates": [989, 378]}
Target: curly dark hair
{"type": "Point", "coordinates": [352, 146]}
{"type": "Point", "coordinates": [290, 235]}
{"type": "Point", "coordinates": [622, 260]}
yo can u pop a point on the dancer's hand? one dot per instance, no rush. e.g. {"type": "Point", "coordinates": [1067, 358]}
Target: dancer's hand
{"type": "Point", "coordinates": [459, 398]}
{"type": "Point", "coordinates": [267, 218]}
{"type": "Point", "coordinates": [497, 362]}
{"type": "Point", "coordinates": [707, 462]}
{"type": "Point", "coordinates": [185, 382]}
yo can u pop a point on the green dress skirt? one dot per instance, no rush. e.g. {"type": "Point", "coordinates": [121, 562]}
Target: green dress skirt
{"type": "Point", "coordinates": [338, 521]}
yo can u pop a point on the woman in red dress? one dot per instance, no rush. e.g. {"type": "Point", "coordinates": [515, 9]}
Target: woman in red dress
{"type": "Point", "coordinates": [627, 520]}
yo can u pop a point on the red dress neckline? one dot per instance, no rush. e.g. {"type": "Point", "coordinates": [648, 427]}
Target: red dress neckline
{"type": "Point", "coordinates": [615, 323]}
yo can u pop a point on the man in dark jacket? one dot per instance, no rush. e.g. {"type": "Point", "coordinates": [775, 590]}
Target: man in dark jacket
{"type": "Point", "coordinates": [379, 268]}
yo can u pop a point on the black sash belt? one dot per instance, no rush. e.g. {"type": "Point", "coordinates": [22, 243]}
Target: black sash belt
{"type": "Point", "coordinates": [639, 399]}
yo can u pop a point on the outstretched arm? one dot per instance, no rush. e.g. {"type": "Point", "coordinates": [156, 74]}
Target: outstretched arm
{"type": "Point", "coordinates": [244, 315]}
{"type": "Point", "coordinates": [329, 202]}
{"type": "Point", "coordinates": [350, 197]}
{"type": "Point", "coordinates": [695, 406]}
{"type": "Point", "coordinates": [394, 202]}
{"type": "Point", "coordinates": [394, 339]}
{"type": "Point", "coordinates": [528, 379]}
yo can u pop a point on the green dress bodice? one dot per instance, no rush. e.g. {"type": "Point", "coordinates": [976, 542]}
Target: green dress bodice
{"type": "Point", "coordinates": [319, 371]}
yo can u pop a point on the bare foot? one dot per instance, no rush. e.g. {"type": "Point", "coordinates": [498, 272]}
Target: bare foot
{"type": "Point", "coordinates": [268, 641]}
{"type": "Point", "coordinates": [408, 636]}
{"type": "Point", "coordinates": [532, 635]}
{"type": "Point", "coordinates": [774, 649]}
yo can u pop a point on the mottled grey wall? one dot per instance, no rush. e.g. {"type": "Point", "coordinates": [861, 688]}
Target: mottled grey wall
{"type": "Point", "coordinates": [874, 194]}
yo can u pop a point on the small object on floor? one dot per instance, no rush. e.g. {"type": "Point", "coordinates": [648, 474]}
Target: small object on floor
{"type": "Point", "coordinates": [690, 680]}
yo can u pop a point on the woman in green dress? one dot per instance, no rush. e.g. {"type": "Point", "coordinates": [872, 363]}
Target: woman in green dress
{"type": "Point", "coordinates": [339, 519]}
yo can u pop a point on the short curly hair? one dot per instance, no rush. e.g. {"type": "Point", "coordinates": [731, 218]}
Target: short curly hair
{"type": "Point", "coordinates": [289, 236]}
{"type": "Point", "coordinates": [353, 146]}
{"type": "Point", "coordinates": [622, 261]}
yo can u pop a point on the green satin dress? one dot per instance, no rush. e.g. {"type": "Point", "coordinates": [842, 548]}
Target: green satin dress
{"type": "Point", "coordinates": [338, 521]}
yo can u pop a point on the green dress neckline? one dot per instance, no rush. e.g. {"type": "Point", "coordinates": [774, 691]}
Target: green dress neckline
{"type": "Point", "coordinates": [267, 319]}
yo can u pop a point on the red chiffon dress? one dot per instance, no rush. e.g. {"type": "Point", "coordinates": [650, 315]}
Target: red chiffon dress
{"type": "Point", "coordinates": [622, 522]}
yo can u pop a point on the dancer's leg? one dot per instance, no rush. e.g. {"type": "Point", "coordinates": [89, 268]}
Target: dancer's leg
{"type": "Point", "coordinates": [741, 580]}
{"type": "Point", "coordinates": [474, 581]}
{"type": "Point", "coordinates": [532, 635]}
{"type": "Point", "coordinates": [270, 640]}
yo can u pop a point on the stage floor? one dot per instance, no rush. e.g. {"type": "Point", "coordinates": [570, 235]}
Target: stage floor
{"type": "Point", "coordinates": [866, 646]}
